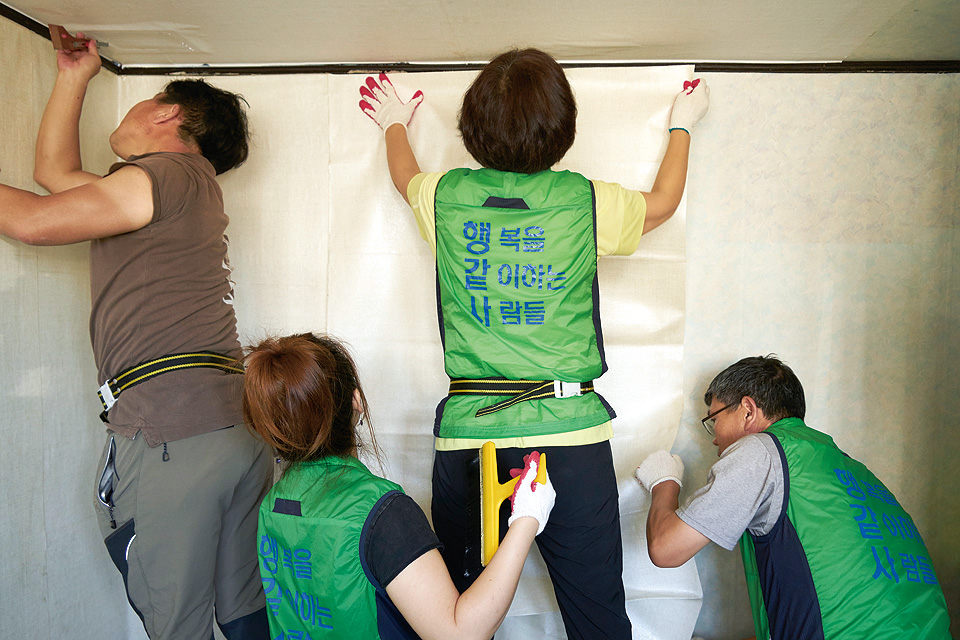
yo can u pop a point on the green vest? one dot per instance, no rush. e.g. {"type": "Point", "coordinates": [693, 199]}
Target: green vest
{"type": "Point", "coordinates": [844, 560]}
{"type": "Point", "coordinates": [310, 552]}
{"type": "Point", "coordinates": [518, 296]}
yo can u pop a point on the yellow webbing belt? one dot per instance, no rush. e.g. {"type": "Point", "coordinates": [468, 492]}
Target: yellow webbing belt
{"type": "Point", "coordinates": [111, 389]}
{"type": "Point", "coordinates": [518, 390]}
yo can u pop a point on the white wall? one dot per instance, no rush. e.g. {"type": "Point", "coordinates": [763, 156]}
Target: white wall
{"type": "Point", "coordinates": [55, 576]}
{"type": "Point", "coordinates": [821, 225]}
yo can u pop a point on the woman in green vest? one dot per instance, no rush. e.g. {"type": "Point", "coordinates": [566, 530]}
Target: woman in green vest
{"type": "Point", "coordinates": [516, 245]}
{"type": "Point", "coordinates": [344, 553]}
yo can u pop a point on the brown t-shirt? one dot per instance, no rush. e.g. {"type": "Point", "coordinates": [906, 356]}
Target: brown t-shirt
{"type": "Point", "coordinates": [165, 289]}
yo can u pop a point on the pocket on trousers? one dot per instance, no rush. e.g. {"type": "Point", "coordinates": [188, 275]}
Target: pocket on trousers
{"type": "Point", "coordinates": [106, 482]}
{"type": "Point", "coordinates": [118, 546]}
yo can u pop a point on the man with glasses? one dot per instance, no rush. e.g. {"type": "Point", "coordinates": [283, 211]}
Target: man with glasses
{"type": "Point", "coordinates": [828, 551]}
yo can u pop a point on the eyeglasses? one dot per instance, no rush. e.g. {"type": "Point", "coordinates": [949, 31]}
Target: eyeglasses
{"type": "Point", "coordinates": [710, 422]}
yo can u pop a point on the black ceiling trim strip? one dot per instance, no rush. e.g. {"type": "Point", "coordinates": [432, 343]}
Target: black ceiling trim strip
{"type": "Point", "coordinates": [919, 66]}
{"type": "Point", "coordinates": [292, 69]}
{"type": "Point", "coordinates": [907, 66]}
{"type": "Point", "coordinates": [879, 66]}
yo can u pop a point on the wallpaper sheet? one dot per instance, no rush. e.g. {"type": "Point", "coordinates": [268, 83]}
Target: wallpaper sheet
{"type": "Point", "coordinates": [321, 240]}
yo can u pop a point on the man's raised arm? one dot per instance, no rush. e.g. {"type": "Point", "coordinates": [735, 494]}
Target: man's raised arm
{"type": "Point", "coordinates": [57, 165]}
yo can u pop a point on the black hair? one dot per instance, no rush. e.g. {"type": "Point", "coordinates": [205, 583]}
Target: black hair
{"type": "Point", "coordinates": [213, 119]}
{"type": "Point", "coordinates": [768, 380]}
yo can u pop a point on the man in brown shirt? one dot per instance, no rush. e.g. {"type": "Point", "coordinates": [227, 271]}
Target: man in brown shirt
{"type": "Point", "coordinates": [180, 479]}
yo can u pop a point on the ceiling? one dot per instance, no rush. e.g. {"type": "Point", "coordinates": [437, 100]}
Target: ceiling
{"type": "Point", "coordinates": [175, 33]}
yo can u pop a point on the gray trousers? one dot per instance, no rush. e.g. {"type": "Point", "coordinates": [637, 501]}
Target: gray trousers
{"type": "Point", "coordinates": [180, 523]}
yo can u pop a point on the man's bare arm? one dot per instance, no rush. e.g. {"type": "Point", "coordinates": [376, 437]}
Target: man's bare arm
{"type": "Point", "coordinates": [670, 540]}
{"type": "Point", "coordinates": [120, 203]}
{"type": "Point", "coordinates": [57, 163]}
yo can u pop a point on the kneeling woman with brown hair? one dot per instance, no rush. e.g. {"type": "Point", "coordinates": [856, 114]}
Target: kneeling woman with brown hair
{"type": "Point", "coordinates": [344, 553]}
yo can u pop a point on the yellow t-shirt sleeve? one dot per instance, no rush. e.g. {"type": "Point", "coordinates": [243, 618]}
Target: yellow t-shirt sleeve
{"type": "Point", "coordinates": [620, 216]}
{"type": "Point", "coordinates": [421, 192]}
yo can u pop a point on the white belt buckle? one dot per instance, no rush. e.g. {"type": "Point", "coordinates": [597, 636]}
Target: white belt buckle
{"type": "Point", "coordinates": [563, 389]}
{"type": "Point", "coordinates": [106, 396]}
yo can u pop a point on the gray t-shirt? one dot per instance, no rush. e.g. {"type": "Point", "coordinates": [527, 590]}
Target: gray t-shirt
{"type": "Point", "coordinates": [744, 492]}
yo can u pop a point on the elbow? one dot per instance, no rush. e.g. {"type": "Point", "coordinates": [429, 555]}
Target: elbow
{"type": "Point", "coordinates": [673, 206]}
{"type": "Point", "coordinates": [20, 235]}
{"type": "Point", "coordinates": [28, 233]}
{"type": "Point", "coordinates": [659, 211]}
{"type": "Point", "coordinates": [26, 218]}
{"type": "Point", "coordinates": [31, 237]}
{"type": "Point", "coordinates": [42, 178]}
{"type": "Point", "coordinates": [402, 189]}
{"type": "Point", "coordinates": [668, 212]}
{"type": "Point", "coordinates": [664, 562]}
{"type": "Point", "coordinates": [662, 556]}
{"type": "Point", "coordinates": [53, 179]}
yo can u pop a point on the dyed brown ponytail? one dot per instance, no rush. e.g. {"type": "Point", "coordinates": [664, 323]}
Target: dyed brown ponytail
{"type": "Point", "coordinates": [298, 396]}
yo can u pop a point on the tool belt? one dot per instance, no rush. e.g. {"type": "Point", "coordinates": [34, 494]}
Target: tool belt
{"type": "Point", "coordinates": [518, 390]}
{"type": "Point", "coordinates": [112, 388]}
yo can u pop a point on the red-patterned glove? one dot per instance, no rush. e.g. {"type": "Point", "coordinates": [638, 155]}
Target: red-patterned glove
{"type": "Point", "coordinates": [381, 103]}
{"type": "Point", "coordinates": [531, 499]}
{"type": "Point", "coordinates": [690, 105]}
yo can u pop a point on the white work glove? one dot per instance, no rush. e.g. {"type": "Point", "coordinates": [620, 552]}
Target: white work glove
{"type": "Point", "coordinates": [660, 466]}
{"type": "Point", "coordinates": [381, 103]}
{"type": "Point", "coordinates": [691, 105]}
{"type": "Point", "coordinates": [530, 498]}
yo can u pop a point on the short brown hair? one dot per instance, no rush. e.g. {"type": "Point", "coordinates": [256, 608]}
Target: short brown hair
{"type": "Point", "coordinates": [519, 114]}
{"type": "Point", "coordinates": [298, 396]}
